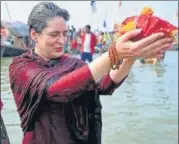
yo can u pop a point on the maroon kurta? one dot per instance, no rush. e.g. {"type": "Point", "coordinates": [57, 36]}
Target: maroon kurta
{"type": "Point", "coordinates": [58, 100]}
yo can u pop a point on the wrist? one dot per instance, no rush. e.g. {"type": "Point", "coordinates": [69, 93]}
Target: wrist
{"type": "Point", "coordinates": [115, 58]}
{"type": "Point", "coordinates": [129, 60]}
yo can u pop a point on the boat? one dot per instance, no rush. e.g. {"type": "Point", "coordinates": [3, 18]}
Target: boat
{"type": "Point", "coordinates": [11, 51]}
{"type": "Point", "coordinates": [17, 41]}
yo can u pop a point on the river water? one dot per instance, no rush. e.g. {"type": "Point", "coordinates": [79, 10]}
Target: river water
{"type": "Point", "coordinates": [144, 110]}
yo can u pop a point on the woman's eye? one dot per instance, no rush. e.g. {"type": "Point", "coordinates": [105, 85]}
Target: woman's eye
{"type": "Point", "coordinates": [53, 35]}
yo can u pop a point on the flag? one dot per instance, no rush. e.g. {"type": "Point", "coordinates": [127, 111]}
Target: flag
{"type": "Point", "coordinates": [120, 4]}
{"type": "Point", "coordinates": [93, 6]}
{"type": "Point", "coordinates": [104, 24]}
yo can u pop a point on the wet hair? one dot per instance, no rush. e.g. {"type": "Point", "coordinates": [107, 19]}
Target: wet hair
{"type": "Point", "coordinates": [42, 13]}
{"type": "Point", "coordinates": [88, 27]}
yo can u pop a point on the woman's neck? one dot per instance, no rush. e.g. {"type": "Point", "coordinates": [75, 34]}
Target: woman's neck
{"type": "Point", "coordinates": [41, 55]}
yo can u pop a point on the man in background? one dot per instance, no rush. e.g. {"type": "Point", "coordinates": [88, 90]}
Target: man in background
{"type": "Point", "coordinates": [88, 44]}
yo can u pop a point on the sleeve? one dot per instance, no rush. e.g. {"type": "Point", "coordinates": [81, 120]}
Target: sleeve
{"type": "Point", "coordinates": [71, 86]}
{"type": "Point", "coordinates": [33, 81]}
{"type": "Point", "coordinates": [107, 86]}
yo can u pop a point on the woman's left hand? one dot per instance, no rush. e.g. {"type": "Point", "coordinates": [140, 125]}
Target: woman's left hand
{"type": "Point", "coordinates": [156, 49]}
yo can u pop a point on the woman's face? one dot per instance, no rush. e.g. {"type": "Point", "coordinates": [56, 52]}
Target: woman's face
{"type": "Point", "coordinates": [50, 42]}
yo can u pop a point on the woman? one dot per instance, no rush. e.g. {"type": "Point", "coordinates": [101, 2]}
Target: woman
{"type": "Point", "coordinates": [57, 97]}
{"type": "Point", "coordinates": [4, 139]}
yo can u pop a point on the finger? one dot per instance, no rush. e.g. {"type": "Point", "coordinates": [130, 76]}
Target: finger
{"type": "Point", "coordinates": [148, 40]}
{"type": "Point", "coordinates": [157, 51]}
{"type": "Point", "coordinates": [155, 45]}
{"type": "Point", "coordinates": [159, 56]}
{"type": "Point", "coordinates": [129, 35]}
{"type": "Point", "coordinates": [160, 49]}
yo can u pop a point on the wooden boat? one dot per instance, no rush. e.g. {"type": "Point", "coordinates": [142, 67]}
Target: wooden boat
{"type": "Point", "coordinates": [17, 40]}
{"type": "Point", "coordinates": [11, 51]}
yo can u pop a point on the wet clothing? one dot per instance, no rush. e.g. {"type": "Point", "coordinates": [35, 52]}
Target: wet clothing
{"type": "Point", "coordinates": [58, 100]}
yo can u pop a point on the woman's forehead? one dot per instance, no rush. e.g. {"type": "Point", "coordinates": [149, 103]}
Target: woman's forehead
{"type": "Point", "coordinates": [57, 24]}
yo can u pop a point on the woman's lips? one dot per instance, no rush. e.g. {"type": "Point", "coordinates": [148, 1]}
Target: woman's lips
{"type": "Point", "coordinates": [58, 49]}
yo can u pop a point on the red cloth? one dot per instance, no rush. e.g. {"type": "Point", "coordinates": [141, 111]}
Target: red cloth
{"type": "Point", "coordinates": [74, 44]}
{"type": "Point", "coordinates": [93, 43]}
{"type": "Point", "coordinates": [58, 100]}
{"type": "Point", "coordinates": [150, 25]}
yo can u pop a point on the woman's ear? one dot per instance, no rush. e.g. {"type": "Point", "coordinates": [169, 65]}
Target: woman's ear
{"type": "Point", "coordinates": [34, 35]}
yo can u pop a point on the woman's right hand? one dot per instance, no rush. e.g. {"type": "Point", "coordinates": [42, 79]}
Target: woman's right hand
{"type": "Point", "coordinates": [151, 46]}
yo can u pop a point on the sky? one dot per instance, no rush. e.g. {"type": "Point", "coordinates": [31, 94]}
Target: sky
{"type": "Point", "coordinates": [81, 13]}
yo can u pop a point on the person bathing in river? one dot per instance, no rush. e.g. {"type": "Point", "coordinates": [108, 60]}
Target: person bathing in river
{"type": "Point", "coordinates": [101, 42]}
{"type": "Point", "coordinates": [58, 97]}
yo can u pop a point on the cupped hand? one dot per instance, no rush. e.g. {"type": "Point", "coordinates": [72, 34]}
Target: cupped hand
{"type": "Point", "coordinates": [149, 47]}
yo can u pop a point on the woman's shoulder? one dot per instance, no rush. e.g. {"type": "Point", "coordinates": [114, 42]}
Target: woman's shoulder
{"type": "Point", "coordinates": [24, 58]}
{"type": "Point", "coordinates": [23, 63]}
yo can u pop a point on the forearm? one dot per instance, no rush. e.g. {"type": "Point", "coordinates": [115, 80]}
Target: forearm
{"type": "Point", "coordinates": [114, 78]}
{"type": "Point", "coordinates": [118, 75]}
{"type": "Point", "coordinates": [100, 66]}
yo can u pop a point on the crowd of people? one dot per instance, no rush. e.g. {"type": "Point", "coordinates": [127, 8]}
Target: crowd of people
{"type": "Point", "coordinates": [87, 42]}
